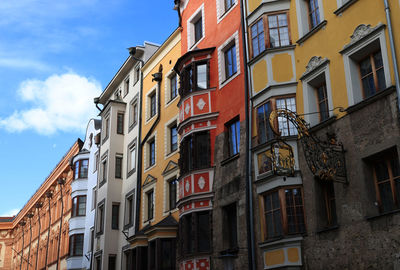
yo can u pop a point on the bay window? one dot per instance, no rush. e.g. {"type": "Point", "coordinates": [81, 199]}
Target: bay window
{"type": "Point", "coordinates": [195, 152]}
{"type": "Point", "coordinates": [194, 77]}
{"type": "Point", "coordinates": [81, 169]}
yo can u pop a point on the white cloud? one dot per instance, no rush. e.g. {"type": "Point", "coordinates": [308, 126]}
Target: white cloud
{"type": "Point", "coordinates": [16, 63]}
{"type": "Point", "coordinates": [59, 103]}
{"type": "Point", "coordinates": [10, 213]}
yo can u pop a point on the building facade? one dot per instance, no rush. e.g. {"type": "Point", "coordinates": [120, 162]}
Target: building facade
{"type": "Point", "coordinates": [212, 182]}
{"type": "Point", "coordinates": [37, 237]}
{"type": "Point", "coordinates": [333, 63]}
{"type": "Point", "coordinates": [83, 194]}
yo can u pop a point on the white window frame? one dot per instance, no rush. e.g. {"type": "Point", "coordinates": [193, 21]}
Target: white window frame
{"type": "Point", "coordinates": [362, 38]}
{"type": "Point", "coordinates": [221, 12]}
{"type": "Point", "coordinates": [127, 85]}
{"type": "Point", "coordinates": [167, 88]}
{"type": "Point", "coordinates": [302, 16]}
{"type": "Point", "coordinates": [131, 146]}
{"type": "Point", "coordinates": [190, 27]}
{"type": "Point", "coordinates": [146, 153]}
{"type": "Point", "coordinates": [167, 179]}
{"type": "Point", "coordinates": [133, 120]}
{"type": "Point", "coordinates": [146, 189]}
{"type": "Point", "coordinates": [316, 68]}
{"type": "Point", "coordinates": [234, 39]}
{"type": "Point", "coordinates": [148, 103]}
{"type": "Point", "coordinates": [167, 137]}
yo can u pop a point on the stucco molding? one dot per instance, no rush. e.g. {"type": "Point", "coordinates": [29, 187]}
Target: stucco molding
{"type": "Point", "coordinates": [360, 33]}
{"type": "Point", "coordinates": [314, 63]}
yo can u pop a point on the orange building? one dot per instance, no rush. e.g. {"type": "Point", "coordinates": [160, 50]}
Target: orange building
{"type": "Point", "coordinates": [37, 237]}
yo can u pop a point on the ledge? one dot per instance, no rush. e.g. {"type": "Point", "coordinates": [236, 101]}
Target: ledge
{"type": "Point", "coordinates": [312, 32]}
{"type": "Point", "coordinates": [328, 229]}
{"type": "Point", "coordinates": [371, 99]}
{"type": "Point", "coordinates": [323, 124]}
{"type": "Point", "coordinates": [270, 50]}
{"type": "Point", "coordinates": [370, 218]}
{"type": "Point", "coordinates": [269, 142]}
{"type": "Point", "coordinates": [344, 7]}
{"type": "Point", "coordinates": [229, 159]}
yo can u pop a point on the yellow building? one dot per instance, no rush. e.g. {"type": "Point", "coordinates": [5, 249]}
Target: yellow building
{"type": "Point", "coordinates": [159, 169]}
{"type": "Point", "coordinates": [333, 63]}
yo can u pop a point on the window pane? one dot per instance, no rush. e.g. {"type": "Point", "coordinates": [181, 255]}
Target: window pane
{"type": "Point", "coordinates": [272, 21]}
{"type": "Point", "coordinates": [385, 192]}
{"type": "Point", "coordinates": [84, 168]}
{"type": "Point", "coordinates": [282, 20]}
{"type": "Point", "coordinates": [381, 171]}
{"type": "Point", "coordinates": [378, 60]}
{"type": "Point", "coordinates": [273, 38]}
{"type": "Point", "coordinates": [132, 158]}
{"type": "Point", "coordinates": [118, 167]}
{"type": "Point", "coordinates": [78, 245]}
{"type": "Point", "coordinates": [174, 138]}
{"type": "Point", "coordinates": [82, 206]}
{"type": "Point", "coordinates": [261, 124]}
{"type": "Point", "coordinates": [203, 231]}
{"type": "Point", "coordinates": [381, 79]}
{"type": "Point", "coordinates": [115, 216]}
{"type": "Point", "coordinates": [365, 67]}
{"type": "Point", "coordinates": [172, 194]}
{"type": "Point", "coordinates": [284, 36]}
{"type": "Point", "coordinates": [201, 76]}
{"type": "Point", "coordinates": [76, 170]}
{"type": "Point", "coordinates": [198, 31]}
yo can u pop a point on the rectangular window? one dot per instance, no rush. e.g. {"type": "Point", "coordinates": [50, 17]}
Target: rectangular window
{"type": "Point", "coordinates": [257, 37]}
{"type": "Point", "coordinates": [229, 230]}
{"type": "Point", "coordinates": [194, 77]}
{"type": "Point", "coordinates": [118, 167]}
{"type": "Point", "coordinates": [126, 86]}
{"type": "Point", "coordinates": [112, 260]}
{"type": "Point", "coordinates": [313, 13]}
{"type": "Point", "coordinates": [137, 74]}
{"type": "Point", "coordinates": [76, 245]}
{"type": "Point", "coordinates": [91, 239]}
{"type": "Point", "coordinates": [129, 211]}
{"type": "Point", "coordinates": [230, 61]}
{"type": "Point", "coordinates": [94, 197]}
{"type": "Point", "coordinates": [198, 29]}
{"type": "Point", "coordinates": [115, 216]}
{"type": "Point", "coordinates": [278, 30]}
{"type": "Point", "coordinates": [322, 99]}
{"type": "Point", "coordinates": [195, 233]}
{"type": "Point", "coordinates": [106, 128]}
{"type": "Point", "coordinates": [134, 112]}
{"type": "Point", "coordinates": [386, 174]}
{"type": "Point", "coordinates": [201, 74]}
{"type": "Point", "coordinates": [81, 169]}
{"type": "Point", "coordinates": [173, 138]}
{"type": "Point", "coordinates": [234, 137]}
{"type": "Point", "coordinates": [153, 106]}
{"type": "Point", "coordinates": [78, 206]}
{"type": "Point", "coordinates": [120, 123]}
{"type": "Point", "coordinates": [172, 193]}
{"type": "Point", "coordinates": [265, 132]}
{"type": "Point", "coordinates": [329, 217]}
{"type": "Point", "coordinates": [283, 212]}
{"type": "Point", "coordinates": [100, 219]}
{"type": "Point", "coordinates": [228, 4]}
{"type": "Point", "coordinates": [132, 157]}
{"type": "Point", "coordinates": [152, 152]}
{"type": "Point", "coordinates": [195, 152]}
{"type": "Point", "coordinates": [104, 170]}
{"type": "Point", "coordinates": [173, 86]}
{"type": "Point", "coordinates": [150, 205]}
{"type": "Point", "coordinates": [372, 74]}
{"type": "Point", "coordinates": [285, 126]}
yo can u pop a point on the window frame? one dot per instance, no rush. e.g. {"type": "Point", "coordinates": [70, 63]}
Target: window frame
{"type": "Point", "coordinates": [173, 147]}
{"type": "Point", "coordinates": [312, 24]}
{"type": "Point", "coordinates": [189, 78]}
{"type": "Point", "coordinates": [236, 124]}
{"type": "Point", "coordinates": [115, 216]}
{"type": "Point", "coordinates": [131, 149]}
{"type": "Point", "coordinates": [118, 166]}
{"type": "Point", "coordinates": [150, 205]}
{"type": "Point", "coordinates": [73, 245]}
{"type": "Point", "coordinates": [126, 85]}
{"type": "Point", "coordinates": [100, 218]}
{"type": "Point", "coordinates": [376, 89]}
{"type": "Point", "coordinates": [75, 205]}
{"type": "Point", "coordinates": [230, 226]}
{"type": "Point", "coordinates": [129, 212]}
{"type": "Point", "coordinates": [170, 197]}
{"type": "Point", "coordinates": [189, 156]}
{"type": "Point", "coordinates": [151, 144]}
{"type": "Point", "coordinates": [198, 16]}
{"type": "Point", "coordinates": [230, 51]}
{"type": "Point", "coordinates": [78, 166]}
{"type": "Point", "coordinates": [120, 122]}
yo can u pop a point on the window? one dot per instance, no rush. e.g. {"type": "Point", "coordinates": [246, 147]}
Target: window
{"type": "Point", "coordinates": [234, 137]}
{"type": "Point", "coordinates": [152, 152]}
{"type": "Point", "coordinates": [96, 160]}
{"type": "Point", "coordinates": [285, 126]}
{"type": "Point", "coordinates": [198, 29]}
{"type": "Point", "coordinates": [230, 61]}
{"type": "Point", "coordinates": [194, 77]}
{"type": "Point", "coordinates": [229, 229]}
{"type": "Point", "coordinates": [81, 169]}
{"type": "Point", "coordinates": [106, 128]}
{"type": "Point", "coordinates": [126, 86]}
{"type": "Point", "coordinates": [257, 37]}
{"type": "Point", "coordinates": [195, 233]}
{"type": "Point", "coordinates": [386, 175]}
{"type": "Point", "coordinates": [78, 206]}
{"type": "Point", "coordinates": [278, 30]}
{"type": "Point", "coordinates": [118, 167]}
{"type": "Point", "coordinates": [172, 184]}
{"type": "Point", "coordinates": [173, 134]}
{"type": "Point", "coordinates": [120, 123]}
{"type": "Point", "coordinates": [150, 204]}
{"type": "Point", "coordinates": [195, 152]}
{"type": "Point", "coordinates": [372, 74]}
{"type": "Point", "coordinates": [98, 262]}
{"type": "Point", "coordinates": [283, 212]}
{"type": "Point", "coordinates": [91, 239]}
{"type": "Point", "coordinates": [76, 245]}
{"type": "Point", "coordinates": [94, 198]}
{"type": "Point", "coordinates": [112, 260]}
{"type": "Point", "coordinates": [228, 4]}
{"type": "Point", "coordinates": [104, 170]}
{"type": "Point", "coordinates": [173, 86]}
{"type": "Point", "coordinates": [153, 105]}
{"type": "Point", "coordinates": [100, 219]}
{"type": "Point", "coordinates": [328, 217]}
{"type": "Point", "coordinates": [129, 210]}
{"type": "Point", "coordinates": [313, 13]}
{"type": "Point", "coordinates": [131, 158]}
{"type": "Point", "coordinates": [137, 75]}
{"type": "Point", "coordinates": [115, 216]}
{"type": "Point", "coordinates": [322, 100]}
{"type": "Point", "coordinates": [133, 113]}
{"type": "Point", "coordinates": [167, 254]}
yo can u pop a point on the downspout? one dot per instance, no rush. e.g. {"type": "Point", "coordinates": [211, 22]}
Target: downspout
{"type": "Point", "coordinates": [38, 205]}
{"type": "Point", "coordinates": [30, 215]}
{"type": "Point", "coordinates": [48, 195]}
{"type": "Point", "coordinates": [61, 182]}
{"type": "Point", "coordinates": [393, 51]}
{"type": "Point", "coordinates": [249, 187]}
{"type": "Point", "coordinates": [22, 250]}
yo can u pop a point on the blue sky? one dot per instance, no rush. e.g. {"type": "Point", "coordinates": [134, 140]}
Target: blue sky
{"type": "Point", "coordinates": [55, 57]}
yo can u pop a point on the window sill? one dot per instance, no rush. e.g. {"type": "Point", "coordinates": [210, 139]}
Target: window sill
{"type": "Point", "coordinates": [345, 6]}
{"type": "Point", "coordinates": [312, 32]}
{"type": "Point", "coordinates": [230, 159]}
{"type": "Point", "coordinates": [131, 172]}
{"type": "Point", "coordinates": [128, 226]}
{"type": "Point", "coordinates": [370, 218]}
{"type": "Point", "coordinates": [371, 99]}
{"type": "Point", "coordinates": [328, 229]}
{"type": "Point", "coordinates": [102, 183]}
{"type": "Point", "coordinates": [131, 126]}
{"type": "Point", "coordinates": [104, 140]}
{"type": "Point", "coordinates": [270, 50]}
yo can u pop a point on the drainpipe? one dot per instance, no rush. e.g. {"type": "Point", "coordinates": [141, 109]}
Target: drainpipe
{"type": "Point", "coordinates": [249, 182]}
{"type": "Point", "coordinates": [30, 215]}
{"type": "Point", "coordinates": [22, 223]}
{"type": "Point", "coordinates": [48, 195]}
{"type": "Point", "coordinates": [38, 206]}
{"type": "Point", "coordinates": [61, 182]}
{"type": "Point", "coordinates": [393, 51]}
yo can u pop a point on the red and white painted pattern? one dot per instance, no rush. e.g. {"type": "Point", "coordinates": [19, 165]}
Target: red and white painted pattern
{"type": "Point", "coordinates": [195, 105]}
{"type": "Point", "coordinates": [195, 264]}
{"type": "Point", "coordinates": [196, 183]}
